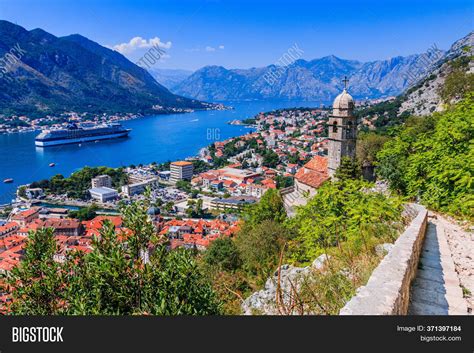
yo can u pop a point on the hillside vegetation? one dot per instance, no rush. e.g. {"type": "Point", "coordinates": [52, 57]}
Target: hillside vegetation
{"type": "Point", "coordinates": [78, 183]}
{"type": "Point", "coordinates": [431, 160]}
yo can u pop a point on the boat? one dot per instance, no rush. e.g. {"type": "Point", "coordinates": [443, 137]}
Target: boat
{"type": "Point", "coordinates": [8, 180]}
{"type": "Point", "coordinates": [52, 164]}
{"type": "Point", "coordinates": [80, 133]}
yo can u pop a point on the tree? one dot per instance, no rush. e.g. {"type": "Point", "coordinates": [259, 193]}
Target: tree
{"type": "Point", "coordinates": [284, 181]}
{"type": "Point", "coordinates": [294, 158]}
{"type": "Point", "coordinates": [270, 159]}
{"type": "Point", "coordinates": [260, 245]}
{"type": "Point", "coordinates": [270, 207]}
{"type": "Point", "coordinates": [431, 159]}
{"type": "Point", "coordinates": [194, 209]}
{"type": "Point", "coordinates": [368, 145]}
{"type": "Point", "coordinates": [78, 184]}
{"type": "Point", "coordinates": [85, 213]}
{"type": "Point", "coordinates": [224, 254]}
{"type": "Point", "coordinates": [22, 191]}
{"type": "Point", "coordinates": [168, 207]}
{"type": "Point", "coordinates": [127, 272]}
{"type": "Point", "coordinates": [349, 169]}
{"type": "Point", "coordinates": [183, 185]}
{"type": "Point", "coordinates": [37, 282]}
{"type": "Point", "coordinates": [342, 212]}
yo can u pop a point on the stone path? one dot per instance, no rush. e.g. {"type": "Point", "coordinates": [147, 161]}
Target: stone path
{"type": "Point", "coordinates": [436, 289]}
{"type": "Point", "coordinates": [461, 242]}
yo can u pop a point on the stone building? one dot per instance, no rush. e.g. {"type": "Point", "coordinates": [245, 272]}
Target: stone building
{"type": "Point", "coordinates": [342, 132]}
{"type": "Point", "coordinates": [342, 128]}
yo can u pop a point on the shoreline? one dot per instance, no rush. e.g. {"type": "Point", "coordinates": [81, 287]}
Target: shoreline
{"type": "Point", "coordinates": [197, 153]}
{"type": "Point", "coordinates": [195, 156]}
{"type": "Point", "coordinates": [117, 119]}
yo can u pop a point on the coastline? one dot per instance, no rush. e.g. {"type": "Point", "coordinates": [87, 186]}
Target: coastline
{"type": "Point", "coordinates": [115, 118]}
{"type": "Point", "coordinates": [79, 204]}
{"type": "Point", "coordinates": [172, 137]}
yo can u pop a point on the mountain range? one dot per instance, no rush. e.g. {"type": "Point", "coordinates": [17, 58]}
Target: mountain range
{"type": "Point", "coordinates": [73, 73]}
{"type": "Point", "coordinates": [170, 77]}
{"type": "Point", "coordinates": [315, 80]}
{"type": "Point", "coordinates": [53, 74]}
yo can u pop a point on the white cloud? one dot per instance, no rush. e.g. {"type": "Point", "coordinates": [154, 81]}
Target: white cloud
{"type": "Point", "coordinates": [140, 43]}
{"type": "Point", "coordinates": [208, 48]}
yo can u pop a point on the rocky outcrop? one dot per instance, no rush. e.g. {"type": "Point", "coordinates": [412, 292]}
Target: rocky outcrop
{"type": "Point", "coordinates": [423, 98]}
{"type": "Point", "coordinates": [264, 302]}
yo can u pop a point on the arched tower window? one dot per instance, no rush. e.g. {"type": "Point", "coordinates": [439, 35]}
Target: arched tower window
{"type": "Point", "coordinates": [349, 129]}
{"type": "Point", "coordinates": [334, 127]}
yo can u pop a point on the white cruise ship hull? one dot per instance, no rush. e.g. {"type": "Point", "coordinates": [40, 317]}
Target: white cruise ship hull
{"type": "Point", "coordinates": [40, 143]}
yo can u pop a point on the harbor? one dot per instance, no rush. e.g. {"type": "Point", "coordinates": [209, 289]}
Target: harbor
{"type": "Point", "coordinates": [152, 139]}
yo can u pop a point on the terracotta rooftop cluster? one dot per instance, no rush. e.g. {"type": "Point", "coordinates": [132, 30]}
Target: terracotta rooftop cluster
{"type": "Point", "coordinates": [195, 233]}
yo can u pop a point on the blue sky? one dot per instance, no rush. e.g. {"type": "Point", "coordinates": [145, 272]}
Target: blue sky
{"type": "Point", "coordinates": [242, 34]}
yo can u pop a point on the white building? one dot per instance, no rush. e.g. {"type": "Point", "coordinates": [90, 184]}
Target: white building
{"type": "Point", "coordinates": [139, 188]}
{"type": "Point", "coordinates": [34, 193]}
{"type": "Point", "coordinates": [103, 194]}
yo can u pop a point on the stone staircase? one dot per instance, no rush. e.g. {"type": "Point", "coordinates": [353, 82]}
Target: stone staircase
{"type": "Point", "coordinates": [436, 289]}
{"type": "Point", "coordinates": [291, 199]}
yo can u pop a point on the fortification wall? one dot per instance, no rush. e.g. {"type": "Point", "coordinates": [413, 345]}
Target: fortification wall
{"type": "Point", "coordinates": [388, 290]}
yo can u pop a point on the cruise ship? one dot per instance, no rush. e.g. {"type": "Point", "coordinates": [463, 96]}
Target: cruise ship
{"type": "Point", "coordinates": [78, 134]}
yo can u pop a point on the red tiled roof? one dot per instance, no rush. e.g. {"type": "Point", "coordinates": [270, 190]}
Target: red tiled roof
{"type": "Point", "coordinates": [26, 213]}
{"type": "Point", "coordinates": [314, 173]}
{"type": "Point", "coordinates": [10, 226]}
{"type": "Point", "coordinates": [311, 177]}
{"type": "Point", "coordinates": [318, 163]}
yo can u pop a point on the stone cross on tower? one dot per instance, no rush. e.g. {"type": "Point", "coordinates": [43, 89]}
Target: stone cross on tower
{"type": "Point", "coordinates": [345, 82]}
{"type": "Point", "coordinates": [342, 130]}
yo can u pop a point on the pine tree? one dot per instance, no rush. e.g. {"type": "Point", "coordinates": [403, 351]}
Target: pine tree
{"type": "Point", "coordinates": [349, 169]}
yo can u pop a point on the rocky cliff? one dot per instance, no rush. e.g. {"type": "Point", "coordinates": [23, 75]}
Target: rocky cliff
{"type": "Point", "coordinates": [423, 97]}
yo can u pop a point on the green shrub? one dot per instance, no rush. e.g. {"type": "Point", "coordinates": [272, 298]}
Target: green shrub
{"type": "Point", "coordinates": [224, 254]}
{"type": "Point", "coordinates": [432, 159]}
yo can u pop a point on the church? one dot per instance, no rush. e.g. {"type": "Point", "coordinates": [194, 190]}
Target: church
{"type": "Point", "coordinates": [342, 135]}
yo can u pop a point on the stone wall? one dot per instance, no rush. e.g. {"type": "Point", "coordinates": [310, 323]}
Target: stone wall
{"type": "Point", "coordinates": [388, 289]}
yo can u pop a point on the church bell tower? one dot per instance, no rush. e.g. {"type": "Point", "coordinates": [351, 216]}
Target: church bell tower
{"type": "Point", "coordinates": [342, 131]}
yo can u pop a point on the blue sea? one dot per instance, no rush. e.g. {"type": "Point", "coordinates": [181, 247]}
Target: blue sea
{"type": "Point", "coordinates": [153, 139]}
